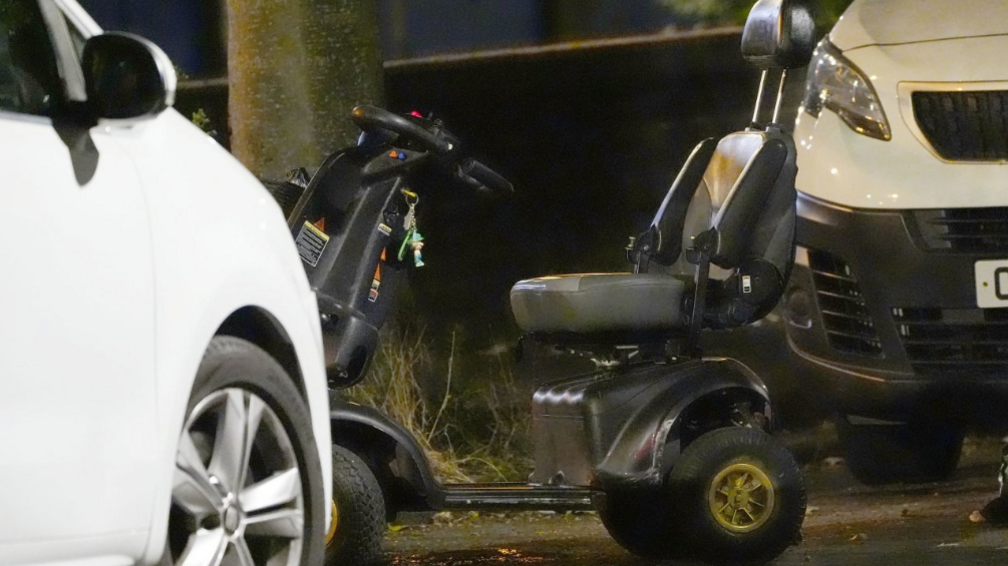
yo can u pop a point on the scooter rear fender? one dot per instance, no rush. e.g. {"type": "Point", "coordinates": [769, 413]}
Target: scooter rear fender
{"type": "Point", "coordinates": [636, 423]}
{"type": "Point", "coordinates": [391, 452]}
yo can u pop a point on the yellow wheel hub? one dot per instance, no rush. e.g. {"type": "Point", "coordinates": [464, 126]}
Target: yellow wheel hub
{"type": "Point", "coordinates": [335, 524]}
{"type": "Point", "coordinates": [741, 497]}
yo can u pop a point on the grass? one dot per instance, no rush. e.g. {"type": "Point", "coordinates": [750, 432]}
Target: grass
{"type": "Point", "coordinates": [463, 406]}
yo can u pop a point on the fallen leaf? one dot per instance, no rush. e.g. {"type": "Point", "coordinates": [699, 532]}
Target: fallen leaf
{"type": "Point", "coordinates": [443, 517]}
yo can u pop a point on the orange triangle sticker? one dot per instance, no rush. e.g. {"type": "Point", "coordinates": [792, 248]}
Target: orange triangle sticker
{"type": "Point", "coordinates": [321, 224]}
{"type": "Point", "coordinates": [377, 271]}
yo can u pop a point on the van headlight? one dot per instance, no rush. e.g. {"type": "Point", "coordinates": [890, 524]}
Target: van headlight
{"type": "Point", "coordinates": [836, 84]}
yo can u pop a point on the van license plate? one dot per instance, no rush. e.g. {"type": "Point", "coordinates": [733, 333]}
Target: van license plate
{"type": "Point", "coordinates": [992, 283]}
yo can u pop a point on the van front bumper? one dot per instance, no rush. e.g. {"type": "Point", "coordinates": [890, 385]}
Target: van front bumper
{"type": "Point", "coordinates": [882, 308]}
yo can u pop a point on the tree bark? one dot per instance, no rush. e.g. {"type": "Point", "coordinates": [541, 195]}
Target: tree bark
{"type": "Point", "coordinates": [341, 40]}
{"type": "Point", "coordinates": [296, 68]}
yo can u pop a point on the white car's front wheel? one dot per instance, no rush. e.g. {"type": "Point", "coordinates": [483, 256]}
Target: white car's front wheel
{"type": "Point", "coordinates": [247, 484]}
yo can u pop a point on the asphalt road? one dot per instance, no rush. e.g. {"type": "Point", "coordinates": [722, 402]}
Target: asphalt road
{"type": "Point", "coordinates": [846, 524]}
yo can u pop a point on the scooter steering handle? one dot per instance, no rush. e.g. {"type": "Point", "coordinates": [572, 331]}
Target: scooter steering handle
{"type": "Point", "coordinates": [370, 117]}
{"type": "Point", "coordinates": [486, 177]}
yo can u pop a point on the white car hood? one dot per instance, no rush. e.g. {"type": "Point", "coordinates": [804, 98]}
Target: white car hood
{"type": "Point", "coordinates": [894, 22]}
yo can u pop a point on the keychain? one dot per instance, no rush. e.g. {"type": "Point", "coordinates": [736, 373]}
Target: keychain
{"type": "Point", "coordinates": [413, 239]}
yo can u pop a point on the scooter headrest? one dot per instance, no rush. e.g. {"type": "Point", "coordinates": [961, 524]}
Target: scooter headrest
{"type": "Point", "coordinates": [778, 34]}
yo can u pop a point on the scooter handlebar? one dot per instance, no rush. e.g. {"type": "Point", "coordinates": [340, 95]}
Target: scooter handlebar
{"type": "Point", "coordinates": [370, 117]}
{"type": "Point", "coordinates": [471, 172]}
{"type": "Point", "coordinates": [485, 178]}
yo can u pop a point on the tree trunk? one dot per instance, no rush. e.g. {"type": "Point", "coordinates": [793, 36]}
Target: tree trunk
{"type": "Point", "coordinates": [296, 68]}
{"type": "Point", "coordinates": [341, 40]}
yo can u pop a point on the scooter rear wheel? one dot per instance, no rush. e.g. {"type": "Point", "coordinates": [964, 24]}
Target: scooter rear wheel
{"type": "Point", "coordinates": [641, 522]}
{"type": "Point", "coordinates": [740, 495]}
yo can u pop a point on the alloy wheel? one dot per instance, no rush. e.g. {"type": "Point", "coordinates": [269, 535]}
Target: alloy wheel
{"type": "Point", "coordinates": [237, 497]}
{"type": "Point", "coordinates": [741, 497]}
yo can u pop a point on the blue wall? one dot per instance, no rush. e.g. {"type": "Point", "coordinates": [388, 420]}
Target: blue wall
{"type": "Point", "coordinates": [188, 30]}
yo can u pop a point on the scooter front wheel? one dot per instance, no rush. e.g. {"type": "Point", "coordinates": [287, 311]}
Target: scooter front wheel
{"type": "Point", "coordinates": [740, 495]}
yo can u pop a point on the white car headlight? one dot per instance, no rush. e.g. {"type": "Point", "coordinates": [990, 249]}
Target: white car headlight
{"type": "Point", "coordinates": [835, 83]}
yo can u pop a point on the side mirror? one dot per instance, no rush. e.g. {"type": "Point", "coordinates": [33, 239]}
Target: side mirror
{"type": "Point", "coordinates": [126, 77]}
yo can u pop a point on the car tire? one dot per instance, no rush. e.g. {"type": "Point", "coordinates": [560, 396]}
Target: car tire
{"type": "Point", "coordinates": [917, 452]}
{"type": "Point", "coordinates": [248, 482]}
{"type": "Point", "coordinates": [740, 496]}
{"type": "Point", "coordinates": [359, 518]}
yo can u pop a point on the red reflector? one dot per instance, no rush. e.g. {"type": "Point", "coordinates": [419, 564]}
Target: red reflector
{"type": "Point", "coordinates": [416, 114]}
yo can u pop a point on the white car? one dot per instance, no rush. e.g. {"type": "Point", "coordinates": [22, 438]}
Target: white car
{"type": "Point", "coordinates": [901, 286]}
{"type": "Point", "coordinates": [163, 395]}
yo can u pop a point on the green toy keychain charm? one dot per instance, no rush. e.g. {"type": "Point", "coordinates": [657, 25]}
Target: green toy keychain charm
{"type": "Point", "coordinates": [416, 244]}
{"type": "Point", "coordinates": [413, 239]}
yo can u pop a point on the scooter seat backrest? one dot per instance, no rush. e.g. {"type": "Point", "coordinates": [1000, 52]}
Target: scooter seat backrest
{"type": "Point", "coordinates": [722, 185]}
{"type": "Point", "coordinates": [777, 34]}
{"type": "Point", "coordinates": [746, 170]}
{"type": "Point", "coordinates": [743, 186]}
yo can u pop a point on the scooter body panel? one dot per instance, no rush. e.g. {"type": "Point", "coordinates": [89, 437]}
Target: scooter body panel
{"type": "Point", "coordinates": [616, 430]}
{"type": "Point", "coordinates": [344, 224]}
{"type": "Point", "coordinates": [411, 484]}
{"type": "Point", "coordinates": [598, 432]}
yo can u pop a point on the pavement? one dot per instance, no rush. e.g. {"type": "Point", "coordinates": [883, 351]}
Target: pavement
{"type": "Point", "coordinates": [846, 524]}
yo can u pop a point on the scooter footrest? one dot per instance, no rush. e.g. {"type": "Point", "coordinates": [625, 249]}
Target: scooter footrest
{"type": "Point", "coordinates": [516, 496]}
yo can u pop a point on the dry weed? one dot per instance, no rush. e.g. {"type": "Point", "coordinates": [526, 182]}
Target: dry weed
{"type": "Point", "coordinates": [479, 431]}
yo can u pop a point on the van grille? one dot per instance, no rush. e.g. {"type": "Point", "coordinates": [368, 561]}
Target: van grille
{"type": "Point", "coordinates": [973, 341]}
{"type": "Point", "coordinates": [849, 327]}
{"type": "Point", "coordinates": [967, 125]}
{"type": "Point", "coordinates": [976, 230]}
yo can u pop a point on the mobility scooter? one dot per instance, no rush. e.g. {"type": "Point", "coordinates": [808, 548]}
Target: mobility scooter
{"type": "Point", "coordinates": [671, 448]}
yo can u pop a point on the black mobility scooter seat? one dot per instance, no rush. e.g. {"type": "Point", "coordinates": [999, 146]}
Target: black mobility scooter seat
{"type": "Point", "coordinates": [723, 238]}
{"type": "Point", "coordinates": [742, 189]}
{"type": "Point", "coordinates": [598, 302]}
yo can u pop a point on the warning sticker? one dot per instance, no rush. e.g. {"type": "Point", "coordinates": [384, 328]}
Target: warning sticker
{"type": "Point", "coordinates": [310, 243]}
